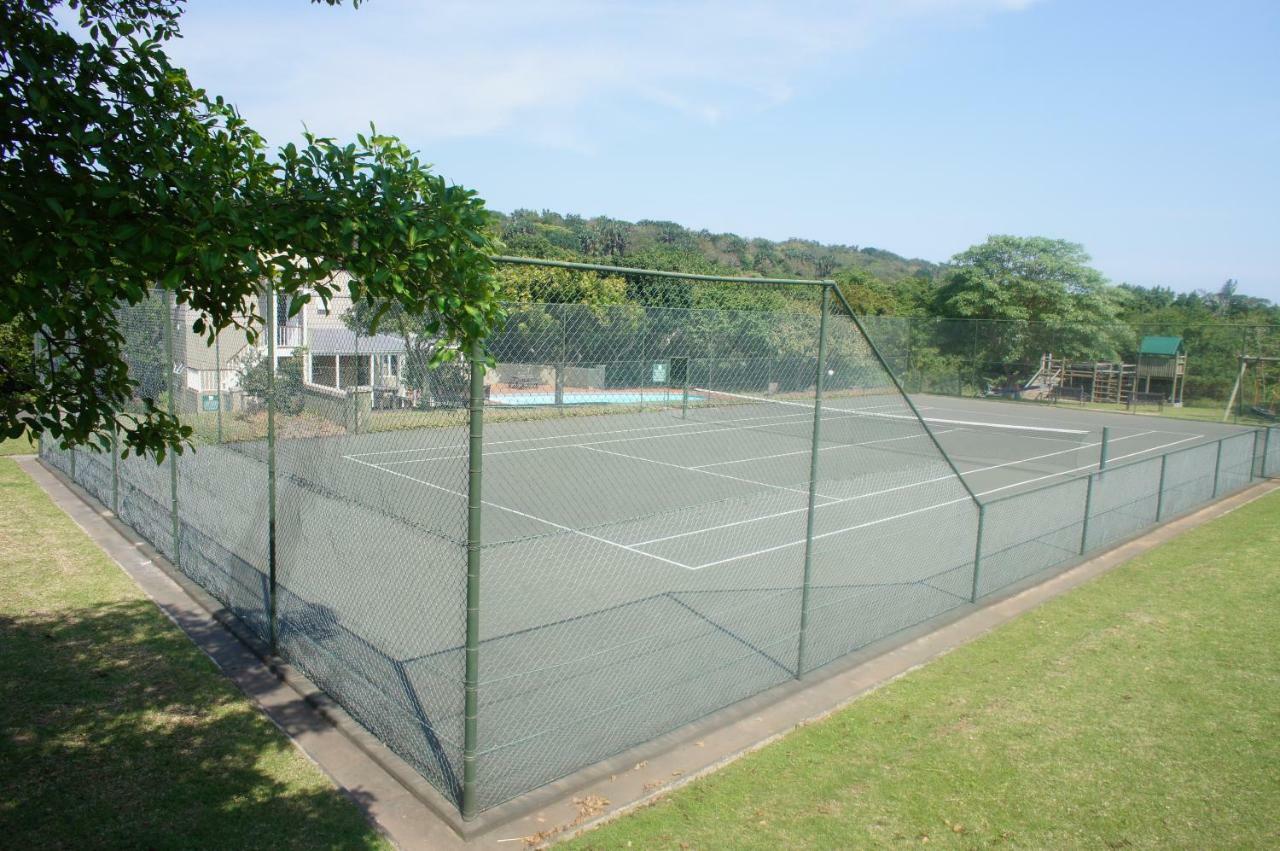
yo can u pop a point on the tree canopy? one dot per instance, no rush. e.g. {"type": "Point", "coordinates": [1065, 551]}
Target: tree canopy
{"type": "Point", "coordinates": [119, 176]}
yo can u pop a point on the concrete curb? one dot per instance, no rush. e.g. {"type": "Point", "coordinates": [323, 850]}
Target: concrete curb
{"type": "Point", "coordinates": [413, 815]}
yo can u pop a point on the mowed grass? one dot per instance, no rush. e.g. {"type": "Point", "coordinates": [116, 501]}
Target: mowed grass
{"type": "Point", "coordinates": [1139, 711]}
{"type": "Point", "coordinates": [115, 731]}
{"type": "Point", "coordinates": [17, 446]}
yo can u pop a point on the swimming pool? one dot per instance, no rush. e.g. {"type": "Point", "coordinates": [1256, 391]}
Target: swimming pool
{"type": "Point", "coordinates": [627, 397]}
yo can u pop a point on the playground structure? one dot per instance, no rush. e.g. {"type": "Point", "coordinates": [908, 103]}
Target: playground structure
{"type": "Point", "coordinates": [1157, 378]}
{"type": "Point", "coordinates": [1264, 401]}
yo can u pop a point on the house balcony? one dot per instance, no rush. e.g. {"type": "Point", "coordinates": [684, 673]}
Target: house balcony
{"type": "Point", "coordinates": [289, 336]}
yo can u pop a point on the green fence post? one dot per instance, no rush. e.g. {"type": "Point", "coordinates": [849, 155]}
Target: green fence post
{"type": "Point", "coordinates": [271, 467]}
{"type": "Point", "coordinates": [977, 552]}
{"type": "Point", "coordinates": [1256, 462]}
{"type": "Point", "coordinates": [813, 477]}
{"type": "Point", "coordinates": [1266, 452]}
{"type": "Point", "coordinates": [1105, 452]}
{"type": "Point", "coordinates": [475, 467]}
{"type": "Point", "coordinates": [1088, 507]}
{"type": "Point", "coordinates": [684, 400]}
{"type": "Point", "coordinates": [115, 468]}
{"type": "Point", "coordinates": [562, 360]}
{"type": "Point", "coordinates": [1217, 470]}
{"type": "Point", "coordinates": [72, 462]}
{"type": "Point", "coordinates": [170, 316]}
{"type": "Point", "coordinates": [1164, 462]}
{"type": "Point", "coordinates": [217, 366]}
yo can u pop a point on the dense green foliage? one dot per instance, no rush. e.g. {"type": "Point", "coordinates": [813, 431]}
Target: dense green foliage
{"type": "Point", "coordinates": [284, 388]}
{"type": "Point", "coordinates": [118, 175]}
{"type": "Point", "coordinates": [667, 245]}
{"type": "Point", "coordinates": [981, 321]}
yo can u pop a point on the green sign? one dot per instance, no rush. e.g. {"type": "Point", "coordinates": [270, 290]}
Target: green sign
{"type": "Point", "coordinates": [209, 401]}
{"type": "Point", "coordinates": [660, 373]}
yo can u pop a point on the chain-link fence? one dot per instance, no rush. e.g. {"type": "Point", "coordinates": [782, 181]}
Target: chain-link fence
{"type": "Point", "coordinates": [1218, 371]}
{"type": "Point", "coordinates": [660, 494]}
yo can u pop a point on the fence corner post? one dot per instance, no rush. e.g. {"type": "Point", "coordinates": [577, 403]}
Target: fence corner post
{"type": "Point", "coordinates": [271, 466]}
{"type": "Point", "coordinates": [171, 318]}
{"type": "Point", "coordinates": [813, 478]}
{"type": "Point", "coordinates": [115, 468]}
{"type": "Point", "coordinates": [475, 469]}
{"type": "Point", "coordinates": [217, 366]}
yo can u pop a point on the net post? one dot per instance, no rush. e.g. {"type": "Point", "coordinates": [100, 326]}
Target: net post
{"type": "Point", "coordinates": [475, 468]}
{"type": "Point", "coordinates": [271, 465]}
{"type": "Point", "coordinates": [1217, 469]}
{"type": "Point", "coordinates": [1164, 463]}
{"type": "Point", "coordinates": [170, 317]}
{"type": "Point", "coordinates": [1105, 452]}
{"type": "Point", "coordinates": [813, 478]}
{"type": "Point", "coordinates": [977, 552]}
{"type": "Point", "coordinates": [217, 368]}
{"type": "Point", "coordinates": [1088, 508]}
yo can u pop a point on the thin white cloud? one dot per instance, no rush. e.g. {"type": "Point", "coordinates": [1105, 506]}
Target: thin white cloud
{"type": "Point", "coordinates": [537, 69]}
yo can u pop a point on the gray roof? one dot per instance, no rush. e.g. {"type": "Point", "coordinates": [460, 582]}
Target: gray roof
{"type": "Point", "coordinates": [342, 341]}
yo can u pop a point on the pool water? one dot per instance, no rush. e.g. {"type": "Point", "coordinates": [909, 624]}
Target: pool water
{"type": "Point", "coordinates": [630, 397]}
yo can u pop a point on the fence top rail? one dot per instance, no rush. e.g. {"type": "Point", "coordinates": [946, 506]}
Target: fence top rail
{"type": "Point", "coordinates": [629, 270]}
{"type": "Point", "coordinates": [1066, 480]}
{"type": "Point", "coordinates": [1141, 326]}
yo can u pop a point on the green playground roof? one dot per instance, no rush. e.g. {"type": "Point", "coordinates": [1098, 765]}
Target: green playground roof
{"type": "Point", "coordinates": [1161, 346]}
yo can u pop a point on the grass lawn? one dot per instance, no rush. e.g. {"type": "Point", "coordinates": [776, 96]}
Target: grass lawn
{"type": "Point", "coordinates": [1140, 711]}
{"type": "Point", "coordinates": [115, 731]}
{"type": "Point", "coordinates": [17, 446]}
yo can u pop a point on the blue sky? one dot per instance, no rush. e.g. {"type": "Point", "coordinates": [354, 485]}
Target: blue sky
{"type": "Point", "coordinates": [1148, 131]}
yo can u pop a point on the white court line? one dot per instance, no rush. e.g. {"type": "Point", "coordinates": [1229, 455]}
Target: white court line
{"type": "Point", "coordinates": [525, 515]}
{"type": "Point", "coordinates": [855, 497]}
{"type": "Point", "coordinates": [714, 430]}
{"type": "Point", "coordinates": [696, 470]}
{"type": "Point", "coordinates": [820, 449]}
{"type": "Point", "coordinates": [920, 510]}
{"type": "Point", "coordinates": [987, 423]}
{"type": "Point", "coordinates": [1095, 466]}
{"type": "Point", "coordinates": [1022, 414]}
{"type": "Point", "coordinates": [614, 431]}
{"type": "Point", "coordinates": [833, 532]}
{"type": "Point", "coordinates": [633, 548]}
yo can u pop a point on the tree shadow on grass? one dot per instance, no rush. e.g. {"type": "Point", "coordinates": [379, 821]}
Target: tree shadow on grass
{"type": "Point", "coordinates": [115, 731]}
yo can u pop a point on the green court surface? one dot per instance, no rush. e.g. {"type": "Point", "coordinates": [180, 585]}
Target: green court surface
{"type": "Point", "coordinates": [640, 570]}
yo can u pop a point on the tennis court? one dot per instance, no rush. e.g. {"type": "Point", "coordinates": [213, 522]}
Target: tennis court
{"type": "Point", "coordinates": [613, 543]}
{"type": "Point", "coordinates": [678, 508]}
